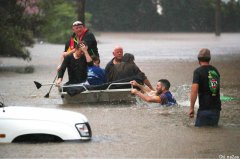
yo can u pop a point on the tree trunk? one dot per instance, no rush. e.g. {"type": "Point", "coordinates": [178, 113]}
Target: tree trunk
{"type": "Point", "coordinates": [81, 10]}
{"type": "Point", "coordinates": [218, 18]}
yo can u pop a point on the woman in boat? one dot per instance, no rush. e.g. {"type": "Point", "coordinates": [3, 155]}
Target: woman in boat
{"type": "Point", "coordinates": [77, 65]}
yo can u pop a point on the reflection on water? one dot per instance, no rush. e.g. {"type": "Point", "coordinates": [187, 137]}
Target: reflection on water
{"type": "Point", "coordinates": [104, 138]}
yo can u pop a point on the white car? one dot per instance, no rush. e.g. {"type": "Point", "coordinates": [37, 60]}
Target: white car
{"type": "Point", "coordinates": [30, 124]}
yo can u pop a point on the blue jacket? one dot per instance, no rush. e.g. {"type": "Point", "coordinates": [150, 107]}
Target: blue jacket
{"type": "Point", "coordinates": [96, 75]}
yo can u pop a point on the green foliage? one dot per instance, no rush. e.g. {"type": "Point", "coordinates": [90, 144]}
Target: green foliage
{"type": "Point", "coordinates": [88, 18]}
{"type": "Point", "coordinates": [58, 16]}
{"type": "Point", "coordinates": [231, 16]}
{"type": "Point", "coordinates": [188, 15]}
{"type": "Point", "coordinates": [15, 31]}
{"type": "Point", "coordinates": [124, 15]}
{"type": "Point", "coordinates": [177, 15]}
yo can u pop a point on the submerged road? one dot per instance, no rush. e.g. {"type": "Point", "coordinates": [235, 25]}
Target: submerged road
{"type": "Point", "coordinates": [138, 130]}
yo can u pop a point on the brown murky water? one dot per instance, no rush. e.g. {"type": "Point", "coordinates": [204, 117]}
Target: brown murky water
{"type": "Point", "coordinates": [139, 130]}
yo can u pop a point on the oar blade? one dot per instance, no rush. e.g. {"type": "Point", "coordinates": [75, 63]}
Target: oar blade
{"type": "Point", "coordinates": [38, 85]}
{"type": "Point", "coordinates": [47, 95]}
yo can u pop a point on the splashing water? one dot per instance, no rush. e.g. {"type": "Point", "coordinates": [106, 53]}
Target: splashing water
{"type": "Point", "coordinates": [182, 95]}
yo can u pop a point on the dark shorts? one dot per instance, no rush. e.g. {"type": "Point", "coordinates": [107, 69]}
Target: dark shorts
{"type": "Point", "coordinates": [207, 118]}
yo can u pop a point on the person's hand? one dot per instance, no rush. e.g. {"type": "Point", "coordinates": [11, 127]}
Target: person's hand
{"type": "Point", "coordinates": [65, 54]}
{"type": "Point", "coordinates": [83, 47]}
{"type": "Point", "coordinates": [191, 113]}
{"type": "Point", "coordinates": [58, 82]}
{"type": "Point", "coordinates": [134, 91]}
{"type": "Point", "coordinates": [134, 83]}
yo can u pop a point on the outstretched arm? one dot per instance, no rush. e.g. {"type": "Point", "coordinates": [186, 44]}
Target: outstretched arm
{"type": "Point", "coordinates": [143, 89]}
{"type": "Point", "coordinates": [61, 70]}
{"type": "Point", "coordinates": [154, 98]}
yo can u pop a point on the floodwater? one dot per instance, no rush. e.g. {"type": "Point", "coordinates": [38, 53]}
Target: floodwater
{"type": "Point", "coordinates": [138, 130]}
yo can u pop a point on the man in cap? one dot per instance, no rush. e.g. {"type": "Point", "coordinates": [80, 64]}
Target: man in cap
{"type": "Point", "coordinates": [206, 84]}
{"type": "Point", "coordinates": [80, 34]}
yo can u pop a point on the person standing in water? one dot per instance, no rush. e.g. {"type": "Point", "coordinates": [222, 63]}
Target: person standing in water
{"type": "Point", "coordinates": [206, 84]}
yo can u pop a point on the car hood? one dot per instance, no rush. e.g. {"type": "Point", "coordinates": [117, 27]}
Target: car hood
{"type": "Point", "coordinates": [44, 114]}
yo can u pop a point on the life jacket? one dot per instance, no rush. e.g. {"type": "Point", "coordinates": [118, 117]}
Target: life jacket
{"type": "Point", "coordinates": [73, 42]}
{"type": "Point", "coordinates": [82, 35]}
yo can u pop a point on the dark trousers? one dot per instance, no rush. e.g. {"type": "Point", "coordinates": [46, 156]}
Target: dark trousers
{"type": "Point", "coordinates": [207, 118]}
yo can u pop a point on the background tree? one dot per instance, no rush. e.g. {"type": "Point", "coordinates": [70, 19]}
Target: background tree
{"type": "Point", "coordinates": [124, 15]}
{"type": "Point", "coordinates": [218, 18]}
{"type": "Point", "coordinates": [177, 15]}
{"type": "Point", "coordinates": [81, 10]}
{"type": "Point", "coordinates": [188, 15]}
{"type": "Point", "coordinates": [16, 29]}
{"type": "Point", "coordinates": [58, 17]}
{"type": "Point", "coordinates": [22, 20]}
{"type": "Point", "coordinates": [231, 16]}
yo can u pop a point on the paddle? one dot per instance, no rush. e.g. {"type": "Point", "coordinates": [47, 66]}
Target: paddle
{"type": "Point", "coordinates": [47, 95]}
{"type": "Point", "coordinates": [39, 85]}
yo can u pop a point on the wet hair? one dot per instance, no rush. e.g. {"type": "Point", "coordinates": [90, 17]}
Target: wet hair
{"type": "Point", "coordinates": [95, 58]}
{"type": "Point", "coordinates": [204, 55]}
{"type": "Point", "coordinates": [127, 57]}
{"type": "Point", "coordinates": [165, 83]}
{"type": "Point", "coordinates": [204, 59]}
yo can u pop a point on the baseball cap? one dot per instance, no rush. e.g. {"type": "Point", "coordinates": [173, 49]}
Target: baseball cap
{"type": "Point", "coordinates": [204, 54]}
{"type": "Point", "coordinates": [77, 23]}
